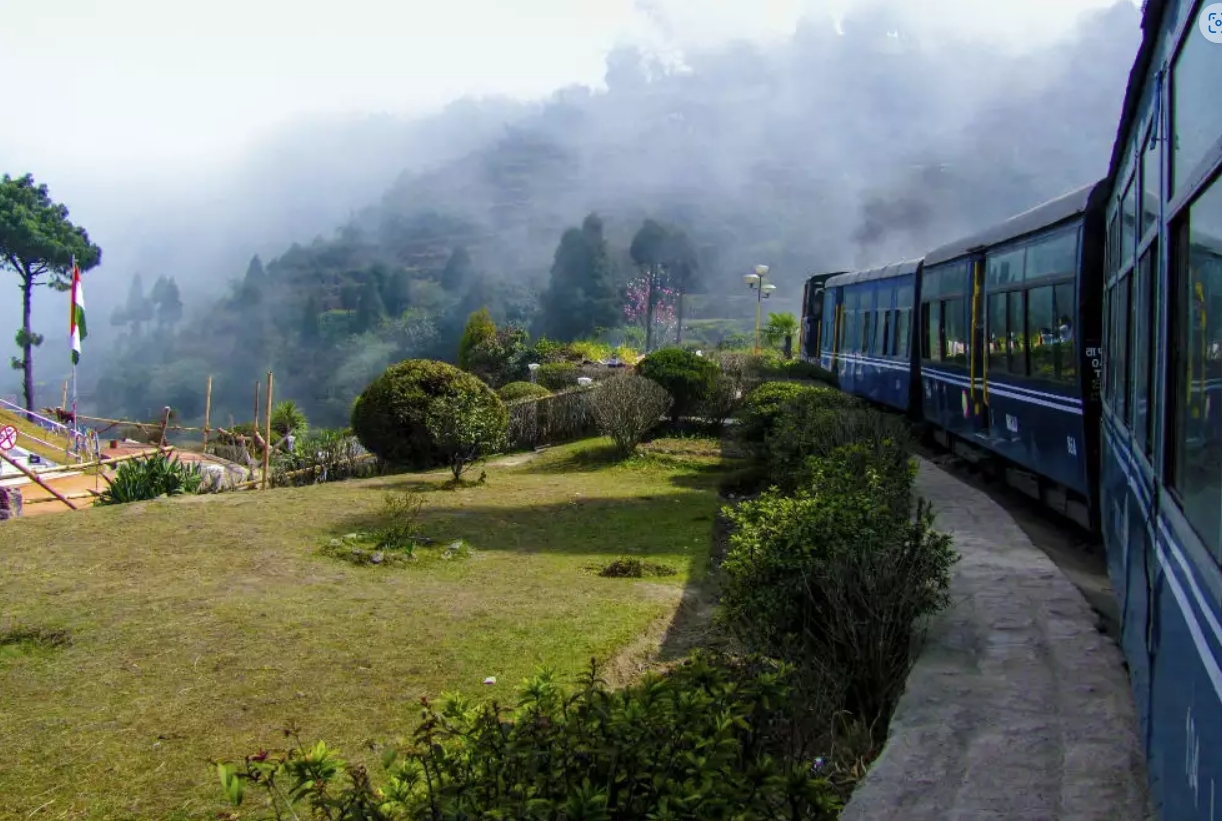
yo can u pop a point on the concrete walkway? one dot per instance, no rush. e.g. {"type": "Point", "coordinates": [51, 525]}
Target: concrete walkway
{"type": "Point", "coordinates": [1018, 709]}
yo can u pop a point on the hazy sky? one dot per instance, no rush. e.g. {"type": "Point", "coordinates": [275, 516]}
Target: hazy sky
{"type": "Point", "coordinates": [150, 84]}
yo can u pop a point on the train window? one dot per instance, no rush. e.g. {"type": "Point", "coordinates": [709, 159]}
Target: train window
{"type": "Point", "coordinates": [998, 332]}
{"type": "Point", "coordinates": [1196, 116]}
{"type": "Point", "coordinates": [1055, 254]}
{"type": "Point", "coordinates": [955, 331]}
{"type": "Point", "coordinates": [1005, 269]}
{"type": "Point", "coordinates": [1149, 180]}
{"type": "Point", "coordinates": [1128, 224]}
{"type": "Point", "coordinates": [1118, 347]}
{"type": "Point", "coordinates": [931, 324]}
{"type": "Point", "coordinates": [903, 323]}
{"type": "Point", "coordinates": [1064, 333]}
{"type": "Point", "coordinates": [883, 343]}
{"type": "Point", "coordinates": [1142, 345]}
{"type": "Point", "coordinates": [1197, 365]}
{"type": "Point", "coordinates": [1040, 330]}
{"type": "Point", "coordinates": [864, 339]}
{"type": "Point", "coordinates": [1111, 250]}
{"type": "Point", "coordinates": [1018, 340]}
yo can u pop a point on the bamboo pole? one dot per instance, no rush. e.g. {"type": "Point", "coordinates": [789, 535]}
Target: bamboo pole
{"type": "Point", "coordinates": [88, 494]}
{"type": "Point", "coordinates": [256, 424]}
{"type": "Point", "coordinates": [165, 423]}
{"type": "Point", "coordinates": [207, 411]}
{"type": "Point", "coordinates": [34, 478]}
{"type": "Point", "coordinates": [141, 425]}
{"type": "Point", "coordinates": [168, 449]}
{"type": "Point", "coordinates": [267, 421]}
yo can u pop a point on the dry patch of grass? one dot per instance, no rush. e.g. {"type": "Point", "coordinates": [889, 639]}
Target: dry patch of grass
{"type": "Point", "coordinates": [201, 626]}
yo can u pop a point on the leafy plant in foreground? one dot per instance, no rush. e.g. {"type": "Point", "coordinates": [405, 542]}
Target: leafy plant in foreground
{"type": "Point", "coordinates": [150, 477]}
{"type": "Point", "coordinates": [713, 739]}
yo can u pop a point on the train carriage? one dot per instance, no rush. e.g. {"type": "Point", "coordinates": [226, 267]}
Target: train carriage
{"type": "Point", "coordinates": [1161, 443]}
{"type": "Point", "coordinates": [1008, 341]}
{"type": "Point", "coordinates": [868, 342]}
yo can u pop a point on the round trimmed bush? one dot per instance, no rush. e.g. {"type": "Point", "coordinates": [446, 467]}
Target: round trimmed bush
{"type": "Point", "coordinates": [389, 417]}
{"type": "Point", "coordinates": [523, 390]}
{"type": "Point", "coordinates": [690, 379]}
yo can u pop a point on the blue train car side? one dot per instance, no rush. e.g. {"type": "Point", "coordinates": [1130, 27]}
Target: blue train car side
{"type": "Point", "coordinates": [1161, 484]}
{"type": "Point", "coordinates": [869, 341]}
{"type": "Point", "coordinates": [1008, 341]}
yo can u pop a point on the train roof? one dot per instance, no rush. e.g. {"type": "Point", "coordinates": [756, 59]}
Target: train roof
{"type": "Point", "coordinates": [895, 269]}
{"type": "Point", "coordinates": [1044, 215]}
{"type": "Point", "coordinates": [1151, 32]}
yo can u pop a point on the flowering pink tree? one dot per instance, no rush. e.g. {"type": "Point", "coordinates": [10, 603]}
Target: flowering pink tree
{"type": "Point", "coordinates": [636, 306]}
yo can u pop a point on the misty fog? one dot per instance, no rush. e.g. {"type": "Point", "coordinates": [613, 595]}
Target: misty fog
{"type": "Point", "coordinates": [836, 146]}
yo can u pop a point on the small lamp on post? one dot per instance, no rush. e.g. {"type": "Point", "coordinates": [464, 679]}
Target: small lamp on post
{"type": "Point", "coordinates": [533, 367]}
{"type": "Point", "coordinates": [763, 289]}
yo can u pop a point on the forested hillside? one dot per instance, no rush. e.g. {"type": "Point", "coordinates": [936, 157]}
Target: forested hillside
{"type": "Point", "coordinates": [829, 150]}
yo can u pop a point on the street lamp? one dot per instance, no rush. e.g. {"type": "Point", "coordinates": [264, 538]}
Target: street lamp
{"type": "Point", "coordinates": [763, 289]}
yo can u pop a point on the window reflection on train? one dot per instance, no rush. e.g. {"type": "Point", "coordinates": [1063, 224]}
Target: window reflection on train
{"type": "Point", "coordinates": [1197, 459]}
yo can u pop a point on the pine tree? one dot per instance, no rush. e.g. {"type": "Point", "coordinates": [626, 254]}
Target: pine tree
{"type": "Point", "coordinates": [580, 296]}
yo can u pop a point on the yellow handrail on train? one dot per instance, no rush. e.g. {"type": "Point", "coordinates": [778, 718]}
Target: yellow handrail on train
{"type": "Point", "coordinates": [971, 344]}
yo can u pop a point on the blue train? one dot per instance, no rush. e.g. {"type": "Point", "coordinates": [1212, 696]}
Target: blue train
{"type": "Point", "coordinates": [1078, 346]}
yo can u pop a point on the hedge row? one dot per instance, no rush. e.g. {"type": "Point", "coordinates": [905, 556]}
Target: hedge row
{"type": "Point", "coordinates": [837, 564]}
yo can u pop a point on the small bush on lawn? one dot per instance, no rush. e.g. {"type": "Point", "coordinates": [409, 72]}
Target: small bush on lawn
{"type": "Point", "coordinates": [390, 418]}
{"type": "Point", "coordinates": [838, 575]}
{"type": "Point", "coordinates": [466, 429]}
{"type": "Point", "coordinates": [150, 477]}
{"type": "Point", "coordinates": [760, 409]}
{"type": "Point", "coordinates": [627, 407]}
{"type": "Point", "coordinates": [634, 568]}
{"type": "Point", "coordinates": [522, 390]}
{"type": "Point", "coordinates": [713, 739]}
{"type": "Point", "coordinates": [816, 423]}
{"type": "Point", "coordinates": [688, 378]}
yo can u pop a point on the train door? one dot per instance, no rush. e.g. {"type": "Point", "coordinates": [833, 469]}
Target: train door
{"type": "Point", "coordinates": [978, 379]}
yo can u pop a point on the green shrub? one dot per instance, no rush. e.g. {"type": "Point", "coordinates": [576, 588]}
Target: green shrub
{"type": "Point", "coordinates": [819, 421]}
{"type": "Point", "coordinates": [688, 378]}
{"type": "Point", "coordinates": [323, 455]}
{"type": "Point", "coordinates": [838, 575]}
{"type": "Point", "coordinates": [466, 428]}
{"type": "Point", "coordinates": [557, 376]}
{"type": "Point", "coordinates": [627, 407]}
{"type": "Point", "coordinates": [390, 416]}
{"type": "Point", "coordinates": [714, 739]}
{"type": "Point", "coordinates": [150, 477]}
{"type": "Point", "coordinates": [522, 390]}
{"type": "Point", "coordinates": [398, 528]}
{"type": "Point", "coordinates": [760, 410]}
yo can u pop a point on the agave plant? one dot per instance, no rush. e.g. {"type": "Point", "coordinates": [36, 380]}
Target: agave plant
{"type": "Point", "coordinates": [150, 477]}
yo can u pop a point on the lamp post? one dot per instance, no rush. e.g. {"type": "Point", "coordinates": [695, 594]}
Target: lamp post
{"type": "Point", "coordinates": [763, 289]}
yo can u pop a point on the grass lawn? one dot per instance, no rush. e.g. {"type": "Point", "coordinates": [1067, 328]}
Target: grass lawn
{"type": "Point", "coordinates": [201, 626]}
